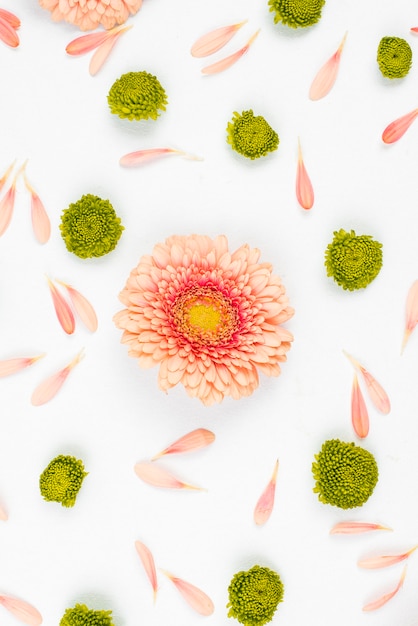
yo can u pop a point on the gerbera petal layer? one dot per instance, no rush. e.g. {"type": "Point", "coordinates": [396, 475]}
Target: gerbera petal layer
{"type": "Point", "coordinates": [89, 15]}
{"type": "Point", "coordinates": [209, 318]}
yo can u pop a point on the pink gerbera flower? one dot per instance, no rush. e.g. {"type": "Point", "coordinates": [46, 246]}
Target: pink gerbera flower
{"type": "Point", "coordinates": [89, 14]}
{"type": "Point", "coordinates": [210, 318]}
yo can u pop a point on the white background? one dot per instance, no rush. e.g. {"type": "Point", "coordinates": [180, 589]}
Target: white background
{"type": "Point", "coordinates": [111, 414]}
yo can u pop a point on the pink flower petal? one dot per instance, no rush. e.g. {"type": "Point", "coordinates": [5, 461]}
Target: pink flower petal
{"type": "Point", "coordinates": [40, 220]}
{"type": "Point", "coordinates": [194, 440]}
{"type": "Point", "coordinates": [411, 313]}
{"type": "Point", "coordinates": [377, 562]}
{"type": "Point", "coordinates": [326, 77]}
{"type": "Point", "coordinates": [11, 366]}
{"type": "Point", "coordinates": [194, 596]}
{"type": "Point", "coordinates": [156, 476]}
{"type": "Point", "coordinates": [214, 40]}
{"type": "Point", "coordinates": [82, 307]}
{"type": "Point", "coordinates": [375, 390]}
{"type": "Point", "coordinates": [304, 189]}
{"type": "Point", "coordinates": [355, 528]}
{"type": "Point", "coordinates": [6, 175]}
{"type": "Point", "coordinates": [396, 129]}
{"type": "Point", "coordinates": [264, 506]}
{"type": "Point", "coordinates": [414, 29]}
{"type": "Point", "coordinates": [3, 514]}
{"type": "Point", "coordinates": [376, 604]}
{"type": "Point", "coordinates": [148, 562]}
{"type": "Point", "coordinates": [22, 610]}
{"type": "Point", "coordinates": [104, 49]}
{"type": "Point", "coordinates": [359, 414]}
{"type": "Point", "coordinates": [6, 208]}
{"type": "Point", "coordinates": [225, 63]}
{"type": "Point", "coordinates": [62, 309]}
{"type": "Point", "coordinates": [140, 157]}
{"type": "Point", "coordinates": [50, 387]}
{"type": "Point", "coordinates": [13, 20]}
{"type": "Point", "coordinates": [86, 43]}
{"type": "Point", "coordinates": [8, 34]}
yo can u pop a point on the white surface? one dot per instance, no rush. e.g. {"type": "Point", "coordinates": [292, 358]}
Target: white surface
{"type": "Point", "coordinates": [111, 414]}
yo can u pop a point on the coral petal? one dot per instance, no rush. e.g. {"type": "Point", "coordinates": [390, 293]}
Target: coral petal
{"type": "Point", "coordinates": [225, 63]}
{"type": "Point", "coordinates": [62, 309]}
{"type": "Point", "coordinates": [6, 175]}
{"type": "Point", "coordinates": [264, 506]}
{"type": "Point", "coordinates": [359, 414]}
{"type": "Point", "coordinates": [148, 562]}
{"type": "Point", "coordinates": [411, 312]}
{"type": "Point", "coordinates": [327, 75]}
{"type": "Point", "coordinates": [103, 51]}
{"type": "Point", "coordinates": [355, 528]}
{"type": "Point", "coordinates": [22, 610]}
{"type": "Point", "coordinates": [11, 366]}
{"type": "Point", "coordinates": [8, 34]}
{"type": "Point", "coordinates": [145, 156]}
{"type": "Point", "coordinates": [86, 43]}
{"type": "Point", "coordinates": [40, 220]}
{"type": "Point", "coordinates": [194, 596]}
{"type": "Point", "coordinates": [214, 40]}
{"type": "Point", "coordinates": [376, 604]}
{"type": "Point", "coordinates": [395, 130]}
{"type": "Point", "coordinates": [13, 20]}
{"type": "Point", "coordinates": [375, 390]}
{"type": "Point", "coordinates": [304, 189]}
{"type": "Point", "coordinates": [158, 477]}
{"type": "Point", "coordinates": [194, 440]}
{"type": "Point", "coordinates": [3, 514]}
{"type": "Point", "coordinates": [6, 209]}
{"type": "Point", "coordinates": [82, 307]}
{"type": "Point", "coordinates": [50, 387]}
{"type": "Point", "coordinates": [385, 560]}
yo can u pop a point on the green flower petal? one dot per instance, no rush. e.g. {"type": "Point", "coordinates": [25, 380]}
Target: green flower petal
{"type": "Point", "coordinates": [254, 596]}
{"type": "Point", "coordinates": [297, 13]}
{"type": "Point", "coordinates": [251, 136]}
{"type": "Point", "coordinates": [61, 480]}
{"type": "Point", "coordinates": [394, 56]}
{"type": "Point", "coordinates": [137, 96]}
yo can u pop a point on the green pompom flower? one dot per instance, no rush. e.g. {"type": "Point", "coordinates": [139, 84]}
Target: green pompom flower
{"type": "Point", "coordinates": [345, 474]}
{"type": "Point", "coordinates": [297, 13]}
{"type": "Point", "coordinates": [394, 56]}
{"type": "Point", "coordinates": [81, 615]}
{"type": "Point", "coordinates": [90, 227]}
{"type": "Point", "coordinates": [61, 480]}
{"type": "Point", "coordinates": [254, 596]}
{"type": "Point", "coordinates": [137, 96]}
{"type": "Point", "coordinates": [353, 261]}
{"type": "Point", "coordinates": [251, 136]}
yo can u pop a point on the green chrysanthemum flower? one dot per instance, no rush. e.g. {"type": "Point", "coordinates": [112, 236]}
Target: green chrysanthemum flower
{"type": "Point", "coordinates": [137, 96]}
{"type": "Point", "coordinates": [394, 56]}
{"type": "Point", "coordinates": [251, 136]}
{"type": "Point", "coordinates": [90, 227]}
{"type": "Point", "coordinates": [297, 13]}
{"type": "Point", "coordinates": [345, 474]}
{"type": "Point", "coordinates": [61, 480]}
{"type": "Point", "coordinates": [81, 615]}
{"type": "Point", "coordinates": [353, 261]}
{"type": "Point", "coordinates": [254, 596]}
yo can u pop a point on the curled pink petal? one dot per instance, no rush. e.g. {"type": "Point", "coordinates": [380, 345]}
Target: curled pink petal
{"type": "Point", "coordinates": [149, 566]}
{"type": "Point", "coordinates": [225, 63]}
{"type": "Point", "coordinates": [11, 366]}
{"type": "Point", "coordinates": [104, 49]}
{"type": "Point", "coordinates": [195, 597]}
{"type": "Point", "coordinates": [50, 387]}
{"type": "Point", "coordinates": [62, 309]}
{"type": "Point", "coordinates": [82, 307]}
{"type": "Point", "coordinates": [359, 413]}
{"type": "Point", "coordinates": [375, 390]}
{"type": "Point", "coordinates": [22, 610]}
{"type": "Point", "coordinates": [8, 33]}
{"type": "Point", "coordinates": [194, 440]}
{"type": "Point", "coordinates": [214, 40]}
{"type": "Point", "coordinates": [411, 312]}
{"type": "Point", "coordinates": [355, 528]}
{"type": "Point", "coordinates": [156, 476]}
{"type": "Point", "coordinates": [265, 504]}
{"type": "Point", "coordinates": [327, 75]}
{"type": "Point", "coordinates": [395, 130]}
{"type": "Point", "coordinates": [13, 20]}
{"type": "Point", "coordinates": [304, 189]}
{"type": "Point", "coordinates": [140, 157]}
{"type": "Point", "coordinates": [376, 604]}
{"type": "Point", "coordinates": [385, 560]}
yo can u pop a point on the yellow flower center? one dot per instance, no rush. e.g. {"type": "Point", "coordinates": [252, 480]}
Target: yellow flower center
{"type": "Point", "coordinates": [204, 316]}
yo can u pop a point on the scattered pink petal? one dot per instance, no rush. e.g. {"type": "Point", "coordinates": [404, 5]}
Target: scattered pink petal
{"type": "Point", "coordinates": [40, 220]}
{"type": "Point", "coordinates": [6, 207]}
{"type": "Point", "coordinates": [11, 366]}
{"type": "Point", "coordinates": [265, 504]}
{"type": "Point", "coordinates": [326, 77]}
{"type": "Point", "coordinates": [355, 528]}
{"type": "Point", "coordinates": [140, 157]}
{"type": "Point", "coordinates": [13, 20]}
{"type": "Point", "coordinates": [194, 596]}
{"type": "Point", "coordinates": [86, 43]}
{"type": "Point", "coordinates": [376, 392]}
{"type": "Point", "coordinates": [3, 514]}
{"type": "Point", "coordinates": [385, 560]}
{"type": "Point", "coordinates": [225, 63]}
{"type": "Point", "coordinates": [82, 307]}
{"type": "Point", "coordinates": [194, 440]}
{"type": "Point", "coordinates": [62, 309]}
{"type": "Point", "coordinates": [148, 562]}
{"type": "Point", "coordinates": [414, 29]}
{"type": "Point", "coordinates": [22, 610]}
{"type": "Point", "coordinates": [396, 129]}
{"type": "Point", "coordinates": [6, 175]}
{"type": "Point", "coordinates": [156, 476]}
{"type": "Point", "coordinates": [50, 387]}
{"type": "Point", "coordinates": [104, 49]}
{"type": "Point", "coordinates": [304, 189]}
{"type": "Point", "coordinates": [376, 604]}
{"type": "Point", "coordinates": [214, 40]}
{"type": "Point", "coordinates": [8, 33]}
{"type": "Point", "coordinates": [359, 413]}
{"type": "Point", "coordinates": [411, 313]}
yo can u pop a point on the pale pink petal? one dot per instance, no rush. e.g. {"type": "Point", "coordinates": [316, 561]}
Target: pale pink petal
{"type": "Point", "coordinates": [214, 40]}
{"type": "Point", "coordinates": [50, 387]}
{"type": "Point", "coordinates": [8, 34]}
{"type": "Point", "coordinates": [414, 29]}
{"type": "Point", "coordinates": [265, 504]}
{"type": "Point", "coordinates": [3, 514]}
{"type": "Point", "coordinates": [62, 309]}
{"type": "Point", "coordinates": [103, 51]}
{"type": "Point", "coordinates": [225, 63]}
{"type": "Point", "coordinates": [82, 307]}
{"type": "Point", "coordinates": [327, 75]}
{"type": "Point", "coordinates": [375, 390]}
{"type": "Point", "coordinates": [148, 562]}
{"type": "Point", "coordinates": [355, 528]}
{"type": "Point", "coordinates": [411, 312]}
{"type": "Point", "coordinates": [396, 129]}
{"type": "Point", "coordinates": [376, 604]}
{"type": "Point", "coordinates": [359, 413]}
{"type": "Point", "coordinates": [13, 20]}
{"type": "Point", "coordinates": [304, 189]}
{"type": "Point", "coordinates": [6, 175]}
{"type": "Point", "coordinates": [40, 220]}
{"type": "Point", "coordinates": [194, 440]}
{"type": "Point", "coordinates": [11, 366]}
{"type": "Point", "coordinates": [22, 610]}
{"type": "Point", "coordinates": [385, 560]}
{"type": "Point", "coordinates": [86, 43]}
{"type": "Point", "coordinates": [156, 476]}
{"type": "Point", "coordinates": [6, 208]}
{"type": "Point", "coordinates": [140, 157]}
{"type": "Point", "coordinates": [194, 596]}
